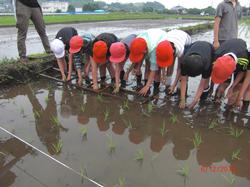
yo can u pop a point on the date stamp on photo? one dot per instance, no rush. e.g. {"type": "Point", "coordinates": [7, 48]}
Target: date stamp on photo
{"type": "Point", "coordinates": [218, 169]}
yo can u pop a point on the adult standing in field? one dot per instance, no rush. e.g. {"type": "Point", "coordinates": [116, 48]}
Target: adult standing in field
{"type": "Point", "coordinates": [226, 21]}
{"type": "Point", "coordinates": [26, 10]}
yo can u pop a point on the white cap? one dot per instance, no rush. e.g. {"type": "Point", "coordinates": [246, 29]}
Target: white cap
{"type": "Point", "coordinates": [58, 48]}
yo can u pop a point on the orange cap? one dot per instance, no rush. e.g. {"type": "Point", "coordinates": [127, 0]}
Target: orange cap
{"type": "Point", "coordinates": [100, 50]}
{"type": "Point", "coordinates": [75, 43]}
{"type": "Point", "coordinates": [164, 54]}
{"type": "Point", "coordinates": [222, 69]}
{"type": "Point", "coordinates": [137, 50]}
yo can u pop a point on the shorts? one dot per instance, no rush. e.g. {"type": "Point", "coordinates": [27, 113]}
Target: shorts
{"type": "Point", "coordinates": [78, 60]}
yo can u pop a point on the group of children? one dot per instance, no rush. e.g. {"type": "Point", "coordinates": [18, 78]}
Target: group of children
{"type": "Point", "coordinates": [227, 66]}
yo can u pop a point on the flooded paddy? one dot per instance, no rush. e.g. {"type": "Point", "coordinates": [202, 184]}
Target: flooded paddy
{"type": "Point", "coordinates": [116, 141]}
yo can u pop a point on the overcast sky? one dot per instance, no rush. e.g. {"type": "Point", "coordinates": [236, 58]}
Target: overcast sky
{"type": "Point", "coordinates": [186, 3]}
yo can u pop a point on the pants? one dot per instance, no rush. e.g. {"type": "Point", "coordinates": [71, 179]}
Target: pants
{"type": "Point", "coordinates": [24, 14]}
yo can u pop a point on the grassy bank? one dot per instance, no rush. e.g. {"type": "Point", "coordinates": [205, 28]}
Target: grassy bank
{"type": "Point", "coordinates": [53, 19]}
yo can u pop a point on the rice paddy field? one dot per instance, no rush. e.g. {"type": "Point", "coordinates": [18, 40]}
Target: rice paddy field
{"type": "Point", "coordinates": [55, 134]}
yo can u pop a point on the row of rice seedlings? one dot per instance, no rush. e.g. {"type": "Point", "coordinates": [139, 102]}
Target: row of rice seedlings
{"type": "Point", "coordinates": [230, 179]}
{"type": "Point", "coordinates": [139, 155]}
{"type": "Point", "coordinates": [57, 147]}
{"type": "Point", "coordinates": [184, 171]}
{"type": "Point", "coordinates": [235, 132]}
{"type": "Point", "coordinates": [173, 118]}
{"type": "Point", "coordinates": [100, 98]}
{"type": "Point", "coordinates": [111, 144]}
{"type": "Point", "coordinates": [106, 114]}
{"type": "Point", "coordinates": [163, 129]}
{"type": "Point", "coordinates": [121, 182]}
{"type": "Point", "coordinates": [197, 140]}
{"type": "Point", "coordinates": [213, 124]}
{"type": "Point", "coordinates": [125, 105]}
{"type": "Point", "coordinates": [55, 121]}
{"type": "Point", "coordinates": [84, 131]}
{"type": "Point", "coordinates": [236, 155]}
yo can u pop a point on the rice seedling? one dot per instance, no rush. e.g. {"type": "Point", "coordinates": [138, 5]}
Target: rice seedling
{"type": "Point", "coordinates": [106, 114]}
{"type": "Point", "coordinates": [1, 153]}
{"type": "Point", "coordinates": [230, 179]}
{"type": "Point", "coordinates": [150, 108]}
{"type": "Point", "coordinates": [139, 155]}
{"type": "Point", "coordinates": [100, 98]}
{"type": "Point", "coordinates": [163, 129]}
{"type": "Point", "coordinates": [184, 171]}
{"type": "Point", "coordinates": [125, 105]}
{"type": "Point", "coordinates": [235, 132]}
{"type": "Point", "coordinates": [83, 108]}
{"type": "Point", "coordinates": [37, 114]}
{"type": "Point", "coordinates": [111, 144]}
{"type": "Point", "coordinates": [236, 155]}
{"type": "Point", "coordinates": [121, 182]}
{"type": "Point", "coordinates": [84, 131]}
{"type": "Point", "coordinates": [213, 124]}
{"type": "Point", "coordinates": [128, 124]}
{"type": "Point", "coordinates": [173, 118]}
{"type": "Point", "coordinates": [46, 99]}
{"type": "Point", "coordinates": [83, 172]}
{"type": "Point", "coordinates": [57, 147]}
{"type": "Point", "coordinates": [197, 140]}
{"type": "Point", "coordinates": [155, 156]}
{"type": "Point", "coordinates": [55, 121]}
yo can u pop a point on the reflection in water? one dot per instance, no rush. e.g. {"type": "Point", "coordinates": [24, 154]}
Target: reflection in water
{"type": "Point", "coordinates": [83, 108]}
{"type": "Point", "coordinates": [11, 151]}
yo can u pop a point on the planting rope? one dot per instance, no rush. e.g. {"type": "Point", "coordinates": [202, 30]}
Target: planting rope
{"type": "Point", "coordinates": [64, 165]}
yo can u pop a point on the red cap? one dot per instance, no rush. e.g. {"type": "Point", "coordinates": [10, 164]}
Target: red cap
{"type": "Point", "coordinates": [164, 54]}
{"type": "Point", "coordinates": [75, 43]}
{"type": "Point", "coordinates": [137, 50]}
{"type": "Point", "coordinates": [118, 52]}
{"type": "Point", "coordinates": [100, 50]}
{"type": "Point", "coordinates": [222, 69]}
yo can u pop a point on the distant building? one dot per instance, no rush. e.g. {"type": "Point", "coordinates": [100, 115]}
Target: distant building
{"type": "Point", "coordinates": [179, 10]}
{"type": "Point", "coordinates": [78, 9]}
{"type": "Point", "coordinates": [53, 6]}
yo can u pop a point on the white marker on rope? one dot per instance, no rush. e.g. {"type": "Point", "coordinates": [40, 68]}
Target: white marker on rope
{"type": "Point", "coordinates": [51, 157]}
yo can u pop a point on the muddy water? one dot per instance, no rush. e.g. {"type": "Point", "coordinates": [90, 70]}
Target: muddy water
{"type": "Point", "coordinates": [28, 112]}
{"type": "Point", "coordinates": [120, 28]}
{"type": "Point", "coordinates": [46, 113]}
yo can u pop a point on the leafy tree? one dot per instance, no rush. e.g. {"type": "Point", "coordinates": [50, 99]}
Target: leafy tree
{"type": "Point", "coordinates": [71, 8]}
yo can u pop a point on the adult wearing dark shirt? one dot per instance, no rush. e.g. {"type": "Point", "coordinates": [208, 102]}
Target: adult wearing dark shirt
{"type": "Point", "coordinates": [231, 60]}
{"type": "Point", "coordinates": [61, 44]}
{"type": "Point", "coordinates": [100, 57]}
{"type": "Point", "coordinates": [26, 10]}
{"type": "Point", "coordinates": [197, 61]}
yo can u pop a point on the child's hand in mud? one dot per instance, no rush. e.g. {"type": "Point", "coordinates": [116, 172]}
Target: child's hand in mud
{"type": "Point", "coordinates": [238, 104]}
{"type": "Point", "coordinates": [144, 91]}
{"type": "Point", "coordinates": [68, 78]}
{"type": "Point", "coordinates": [79, 82]}
{"type": "Point", "coordinates": [117, 89]}
{"type": "Point", "coordinates": [182, 104]}
{"type": "Point", "coordinates": [95, 87]}
{"type": "Point", "coordinates": [171, 89]}
{"type": "Point", "coordinates": [192, 105]}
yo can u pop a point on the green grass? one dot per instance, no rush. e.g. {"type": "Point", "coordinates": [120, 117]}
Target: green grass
{"type": "Point", "coordinates": [52, 19]}
{"type": "Point", "coordinates": [197, 140]}
{"type": "Point", "coordinates": [139, 155]}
